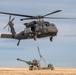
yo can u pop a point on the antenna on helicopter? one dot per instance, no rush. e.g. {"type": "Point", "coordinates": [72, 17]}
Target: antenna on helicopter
{"type": "Point", "coordinates": [41, 57]}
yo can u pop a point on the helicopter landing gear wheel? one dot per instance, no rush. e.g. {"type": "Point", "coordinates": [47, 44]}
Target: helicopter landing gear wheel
{"type": "Point", "coordinates": [51, 38]}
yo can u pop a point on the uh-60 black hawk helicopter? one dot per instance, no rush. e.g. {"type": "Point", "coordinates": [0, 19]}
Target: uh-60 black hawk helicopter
{"type": "Point", "coordinates": [34, 29]}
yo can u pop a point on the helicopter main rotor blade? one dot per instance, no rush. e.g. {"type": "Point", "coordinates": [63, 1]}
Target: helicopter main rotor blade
{"type": "Point", "coordinates": [26, 19]}
{"type": "Point", "coordinates": [39, 16]}
{"type": "Point", "coordinates": [52, 12]}
{"type": "Point", "coordinates": [46, 18]}
{"type": "Point", "coordinates": [58, 18]}
{"type": "Point", "coordinates": [16, 14]}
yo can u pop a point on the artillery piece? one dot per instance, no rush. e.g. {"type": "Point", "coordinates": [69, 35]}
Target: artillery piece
{"type": "Point", "coordinates": [33, 65]}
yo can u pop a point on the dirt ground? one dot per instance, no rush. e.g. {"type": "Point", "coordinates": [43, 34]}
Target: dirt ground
{"type": "Point", "coordinates": [25, 71]}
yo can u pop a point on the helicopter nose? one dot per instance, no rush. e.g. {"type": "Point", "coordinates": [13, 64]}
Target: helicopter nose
{"type": "Point", "coordinates": [53, 31]}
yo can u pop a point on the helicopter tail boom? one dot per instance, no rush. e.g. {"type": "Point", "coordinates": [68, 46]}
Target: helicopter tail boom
{"type": "Point", "coordinates": [7, 36]}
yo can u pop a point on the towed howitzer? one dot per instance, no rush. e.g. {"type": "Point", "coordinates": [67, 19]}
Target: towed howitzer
{"type": "Point", "coordinates": [34, 65]}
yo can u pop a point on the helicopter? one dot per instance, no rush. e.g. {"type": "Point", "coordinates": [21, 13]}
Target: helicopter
{"type": "Point", "coordinates": [38, 28]}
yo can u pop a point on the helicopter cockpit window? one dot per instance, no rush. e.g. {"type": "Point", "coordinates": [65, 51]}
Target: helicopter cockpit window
{"type": "Point", "coordinates": [53, 25]}
{"type": "Point", "coordinates": [47, 24]}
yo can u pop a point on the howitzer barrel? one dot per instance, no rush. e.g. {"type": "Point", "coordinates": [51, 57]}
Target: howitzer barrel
{"type": "Point", "coordinates": [29, 63]}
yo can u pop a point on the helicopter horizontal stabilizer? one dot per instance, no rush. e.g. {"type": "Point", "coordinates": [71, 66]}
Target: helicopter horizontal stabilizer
{"type": "Point", "coordinates": [7, 36]}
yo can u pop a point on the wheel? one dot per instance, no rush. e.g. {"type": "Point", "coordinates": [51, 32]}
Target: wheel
{"type": "Point", "coordinates": [31, 68]}
{"type": "Point", "coordinates": [51, 38]}
{"type": "Point", "coordinates": [50, 66]}
{"type": "Point", "coordinates": [35, 68]}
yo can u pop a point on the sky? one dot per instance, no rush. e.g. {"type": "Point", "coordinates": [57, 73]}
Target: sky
{"type": "Point", "coordinates": [61, 52]}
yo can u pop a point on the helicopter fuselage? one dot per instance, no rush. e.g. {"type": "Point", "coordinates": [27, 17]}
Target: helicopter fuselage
{"type": "Point", "coordinates": [41, 29]}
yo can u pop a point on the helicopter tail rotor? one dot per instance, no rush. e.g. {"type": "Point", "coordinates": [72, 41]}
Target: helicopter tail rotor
{"type": "Point", "coordinates": [10, 23]}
